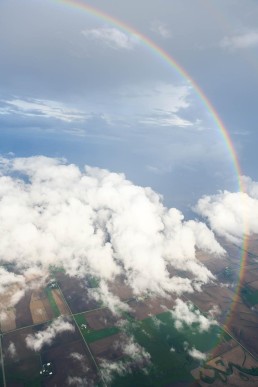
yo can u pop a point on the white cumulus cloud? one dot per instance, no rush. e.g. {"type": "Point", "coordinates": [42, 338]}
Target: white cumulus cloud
{"type": "Point", "coordinates": [185, 313]}
{"type": "Point", "coordinates": [196, 354]}
{"type": "Point", "coordinates": [232, 214]}
{"type": "Point", "coordinates": [97, 222]}
{"type": "Point", "coordinates": [38, 340]}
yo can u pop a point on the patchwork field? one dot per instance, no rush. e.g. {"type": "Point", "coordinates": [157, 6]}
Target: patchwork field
{"type": "Point", "coordinates": [99, 347]}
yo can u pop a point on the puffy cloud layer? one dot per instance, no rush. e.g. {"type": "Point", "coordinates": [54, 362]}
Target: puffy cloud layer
{"type": "Point", "coordinates": [185, 313]}
{"type": "Point", "coordinates": [232, 214]}
{"type": "Point", "coordinates": [97, 222]}
{"type": "Point", "coordinates": [38, 340]}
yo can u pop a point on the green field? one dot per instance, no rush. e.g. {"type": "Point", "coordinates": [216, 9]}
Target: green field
{"type": "Point", "coordinates": [80, 319]}
{"type": "Point", "coordinates": [52, 302]}
{"type": "Point", "coordinates": [168, 349]}
{"type": "Point", "coordinates": [92, 335]}
{"type": "Point", "coordinates": [26, 372]}
{"type": "Point", "coordinates": [249, 295]}
{"type": "Point", "coordinates": [1, 378]}
{"type": "Point", "coordinates": [92, 282]}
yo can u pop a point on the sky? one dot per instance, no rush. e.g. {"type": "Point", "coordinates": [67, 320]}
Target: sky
{"type": "Point", "coordinates": [111, 164]}
{"type": "Point", "coordinates": [75, 86]}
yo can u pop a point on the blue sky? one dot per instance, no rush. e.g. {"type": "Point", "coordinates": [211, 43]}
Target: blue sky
{"type": "Point", "coordinates": [75, 86]}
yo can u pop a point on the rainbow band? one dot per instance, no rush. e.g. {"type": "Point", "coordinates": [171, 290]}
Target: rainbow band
{"type": "Point", "coordinates": [79, 4]}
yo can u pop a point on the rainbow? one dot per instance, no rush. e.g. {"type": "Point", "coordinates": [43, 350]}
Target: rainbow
{"type": "Point", "coordinates": [160, 52]}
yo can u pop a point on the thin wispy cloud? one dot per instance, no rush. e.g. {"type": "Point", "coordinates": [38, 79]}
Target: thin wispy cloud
{"type": "Point", "coordinates": [161, 29]}
{"type": "Point", "coordinates": [111, 37]}
{"type": "Point", "coordinates": [166, 119]}
{"type": "Point", "coordinates": [241, 41]}
{"type": "Point", "coordinates": [41, 108]}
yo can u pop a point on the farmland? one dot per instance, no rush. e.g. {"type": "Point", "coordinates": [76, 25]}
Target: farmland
{"type": "Point", "coordinates": [228, 352]}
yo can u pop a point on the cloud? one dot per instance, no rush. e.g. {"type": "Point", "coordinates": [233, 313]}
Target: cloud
{"type": "Point", "coordinates": [156, 105]}
{"type": "Point", "coordinates": [12, 289]}
{"type": "Point", "coordinates": [78, 381]}
{"type": "Point", "coordinates": [111, 37]}
{"type": "Point", "coordinates": [97, 222]}
{"type": "Point", "coordinates": [37, 341]}
{"type": "Point", "coordinates": [161, 29]}
{"type": "Point", "coordinates": [41, 108]}
{"type": "Point", "coordinates": [166, 119]}
{"type": "Point", "coordinates": [11, 349]}
{"type": "Point", "coordinates": [196, 354]}
{"type": "Point", "coordinates": [78, 357]}
{"type": "Point", "coordinates": [135, 357]}
{"type": "Point", "coordinates": [137, 353]}
{"type": "Point", "coordinates": [110, 369]}
{"type": "Point", "coordinates": [185, 313]}
{"type": "Point", "coordinates": [232, 214]}
{"type": "Point", "coordinates": [103, 294]}
{"type": "Point", "coordinates": [242, 41]}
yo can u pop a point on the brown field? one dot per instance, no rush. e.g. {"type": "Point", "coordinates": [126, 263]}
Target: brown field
{"type": "Point", "coordinates": [142, 309]}
{"type": "Point", "coordinates": [75, 293]}
{"type": "Point", "coordinates": [7, 320]}
{"type": "Point", "coordinates": [18, 339]}
{"type": "Point", "coordinates": [69, 361]}
{"type": "Point", "coordinates": [213, 295]}
{"type": "Point", "coordinates": [247, 336]}
{"type": "Point", "coordinates": [108, 348]}
{"type": "Point", "coordinates": [223, 347]}
{"type": "Point", "coordinates": [214, 265]}
{"type": "Point", "coordinates": [60, 302]}
{"type": "Point", "coordinates": [23, 314]}
{"type": "Point", "coordinates": [254, 284]}
{"type": "Point", "coordinates": [253, 245]}
{"type": "Point", "coordinates": [100, 319]}
{"type": "Point", "coordinates": [121, 289]}
{"type": "Point", "coordinates": [37, 308]}
{"type": "Point", "coordinates": [251, 275]}
{"type": "Point", "coordinates": [236, 355]}
{"type": "Point", "coordinates": [8, 313]}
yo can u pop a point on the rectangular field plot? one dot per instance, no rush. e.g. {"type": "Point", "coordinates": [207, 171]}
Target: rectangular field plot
{"type": "Point", "coordinates": [75, 292]}
{"type": "Point", "coordinates": [91, 335]}
{"type": "Point", "coordinates": [71, 365]}
{"type": "Point", "coordinates": [23, 360]}
{"type": "Point", "coordinates": [25, 372]}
